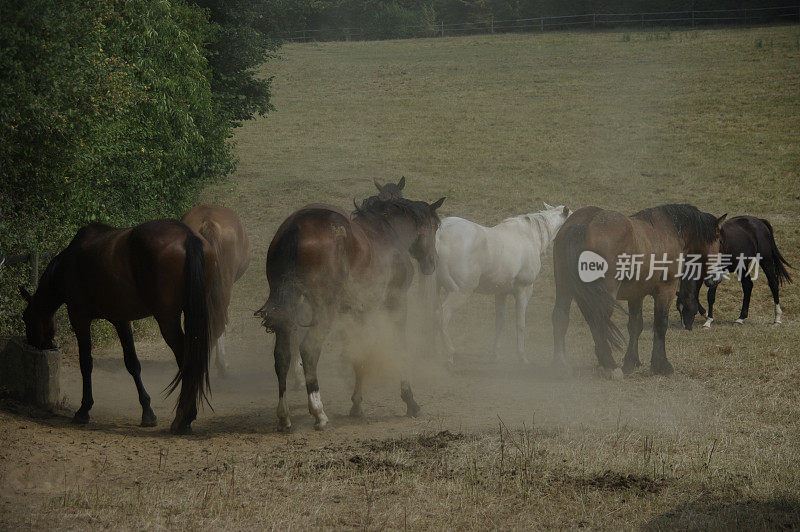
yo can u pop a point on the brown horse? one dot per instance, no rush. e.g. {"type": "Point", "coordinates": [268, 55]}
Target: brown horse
{"type": "Point", "coordinates": [659, 236]}
{"type": "Point", "coordinates": [160, 269]}
{"type": "Point", "coordinates": [222, 229]}
{"type": "Point", "coordinates": [324, 261]}
{"type": "Point", "coordinates": [390, 190]}
{"type": "Point", "coordinates": [746, 237]}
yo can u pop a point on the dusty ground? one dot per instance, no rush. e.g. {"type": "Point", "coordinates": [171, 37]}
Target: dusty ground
{"type": "Point", "coordinates": [496, 124]}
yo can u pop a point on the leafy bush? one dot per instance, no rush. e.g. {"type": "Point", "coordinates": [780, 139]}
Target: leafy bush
{"type": "Point", "coordinates": [107, 114]}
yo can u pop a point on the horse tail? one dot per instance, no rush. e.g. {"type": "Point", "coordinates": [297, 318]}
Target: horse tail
{"type": "Point", "coordinates": [780, 263]}
{"type": "Point", "coordinates": [193, 373]}
{"type": "Point", "coordinates": [595, 301]}
{"type": "Point", "coordinates": [218, 309]}
{"type": "Point", "coordinates": [282, 306]}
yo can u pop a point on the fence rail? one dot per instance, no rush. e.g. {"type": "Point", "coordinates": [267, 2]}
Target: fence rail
{"type": "Point", "coordinates": [690, 18]}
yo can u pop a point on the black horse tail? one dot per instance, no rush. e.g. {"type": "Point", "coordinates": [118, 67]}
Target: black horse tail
{"type": "Point", "coordinates": [595, 301]}
{"type": "Point", "coordinates": [193, 373]}
{"type": "Point", "coordinates": [283, 305]}
{"type": "Point", "coordinates": [218, 310]}
{"type": "Point", "coordinates": [780, 263]}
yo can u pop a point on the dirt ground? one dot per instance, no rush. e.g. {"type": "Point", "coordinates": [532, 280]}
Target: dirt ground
{"type": "Point", "coordinates": [499, 444]}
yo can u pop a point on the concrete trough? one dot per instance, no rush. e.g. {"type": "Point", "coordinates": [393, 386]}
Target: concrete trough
{"type": "Point", "coordinates": [30, 375]}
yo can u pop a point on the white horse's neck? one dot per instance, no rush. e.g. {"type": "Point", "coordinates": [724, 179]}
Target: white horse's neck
{"type": "Point", "coordinates": [537, 225]}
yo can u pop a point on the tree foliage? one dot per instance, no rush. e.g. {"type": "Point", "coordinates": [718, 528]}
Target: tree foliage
{"type": "Point", "coordinates": [116, 111]}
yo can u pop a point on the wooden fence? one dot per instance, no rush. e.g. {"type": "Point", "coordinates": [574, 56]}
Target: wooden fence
{"type": "Point", "coordinates": [692, 18]}
{"type": "Point", "coordinates": [34, 258]}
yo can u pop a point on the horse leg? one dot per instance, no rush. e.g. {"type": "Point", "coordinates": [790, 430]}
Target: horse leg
{"type": "Point", "coordinates": [80, 326]}
{"type": "Point", "coordinates": [772, 280]}
{"type": "Point", "coordinates": [658, 360]}
{"type": "Point", "coordinates": [135, 369]}
{"type": "Point", "coordinates": [357, 397]}
{"type": "Point", "coordinates": [283, 356]}
{"type": "Point", "coordinates": [499, 321]}
{"type": "Point", "coordinates": [221, 360]}
{"type": "Point", "coordinates": [560, 324]}
{"type": "Point", "coordinates": [700, 308]}
{"type": "Point", "coordinates": [635, 326]}
{"type": "Point", "coordinates": [747, 289]}
{"type": "Point", "coordinates": [310, 349]}
{"type": "Point", "coordinates": [712, 297]}
{"type": "Point", "coordinates": [452, 301]}
{"type": "Point", "coordinates": [521, 297]}
{"type": "Point", "coordinates": [170, 326]}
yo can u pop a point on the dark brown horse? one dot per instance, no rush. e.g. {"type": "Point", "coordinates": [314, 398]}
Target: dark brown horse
{"type": "Point", "coordinates": [159, 268]}
{"type": "Point", "coordinates": [390, 190]}
{"type": "Point", "coordinates": [323, 262]}
{"type": "Point", "coordinates": [222, 229]}
{"type": "Point", "coordinates": [659, 236]}
{"type": "Point", "coordinates": [747, 237]}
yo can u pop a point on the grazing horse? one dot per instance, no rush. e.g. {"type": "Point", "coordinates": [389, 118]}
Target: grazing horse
{"type": "Point", "coordinates": [222, 229]}
{"type": "Point", "coordinates": [324, 261]}
{"type": "Point", "coordinates": [659, 237]}
{"type": "Point", "coordinates": [390, 190]}
{"type": "Point", "coordinates": [159, 268]}
{"type": "Point", "coordinates": [501, 260]}
{"type": "Point", "coordinates": [747, 236]}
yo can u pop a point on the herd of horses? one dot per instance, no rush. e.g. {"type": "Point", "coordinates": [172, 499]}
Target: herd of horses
{"type": "Point", "coordinates": [325, 262]}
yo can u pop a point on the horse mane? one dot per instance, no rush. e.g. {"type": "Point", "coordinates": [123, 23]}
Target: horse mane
{"type": "Point", "coordinates": [374, 208]}
{"type": "Point", "coordinates": [687, 219]}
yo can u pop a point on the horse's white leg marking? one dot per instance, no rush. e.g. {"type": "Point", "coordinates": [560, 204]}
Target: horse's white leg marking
{"type": "Point", "coordinates": [315, 407]}
{"type": "Point", "coordinates": [707, 324]}
{"type": "Point", "coordinates": [778, 314]}
{"type": "Point", "coordinates": [522, 296]}
{"type": "Point", "coordinates": [283, 414]}
{"type": "Point", "coordinates": [221, 361]}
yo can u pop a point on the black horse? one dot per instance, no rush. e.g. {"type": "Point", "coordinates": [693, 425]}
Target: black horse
{"type": "Point", "coordinates": [748, 236]}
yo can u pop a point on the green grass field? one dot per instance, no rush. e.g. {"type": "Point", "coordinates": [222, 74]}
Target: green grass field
{"type": "Point", "coordinates": [497, 124]}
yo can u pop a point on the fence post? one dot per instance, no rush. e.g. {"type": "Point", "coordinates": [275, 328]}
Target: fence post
{"type": "Point", "coordinates": [594, 20]}
{"type": "Point", "coordinates": [492, 23]}
{"type": "Point", "coordinates": [693, 18]}
{"type": "Point", "coordinates": [443, 28]}
{"type": "Point", "coordinates": [541, 21]}
{"type": "Point", "coordinates": [34, 259]}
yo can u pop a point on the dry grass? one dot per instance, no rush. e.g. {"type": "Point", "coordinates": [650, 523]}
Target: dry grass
{"type": "Point", "coordinates": [495, 123]}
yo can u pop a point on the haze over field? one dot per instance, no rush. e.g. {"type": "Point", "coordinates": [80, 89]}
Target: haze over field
{"type": "Point", "coordinates": [497, 124]}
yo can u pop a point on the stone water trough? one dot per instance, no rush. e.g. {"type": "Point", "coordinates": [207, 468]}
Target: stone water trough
{"type": "Point", "coordinates": [28, 374]}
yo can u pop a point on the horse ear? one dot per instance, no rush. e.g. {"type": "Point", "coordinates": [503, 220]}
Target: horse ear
{"type": "Point", "coordinates": [24, 293]}
{"type": "Point", "coordinates": [547, 205]}
{"type": "Point", "coordinates": [401, 183]}
{"type": "Point", "coordinates": [565, 211]}
{"type": "Point", "coordinates": [377, 184]}
{"type": "Point", "coordinates": [721, 218]}
{"type": "Point", "coordinates": [436, 204]}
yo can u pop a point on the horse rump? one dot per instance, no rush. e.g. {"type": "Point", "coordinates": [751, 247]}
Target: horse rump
{"type": "Point", "coordinates": [594, 300]}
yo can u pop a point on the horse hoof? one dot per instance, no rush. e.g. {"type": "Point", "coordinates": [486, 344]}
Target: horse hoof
{"type": "Point", "coordinates": [665, 369]}
{"type": "Point", "coordinates": [616, 375]}
{"type": "Point", "coordinates": [776, 323]}
{"type": "Point", "coordinates": [180, 428]}
{"type": "Point", "coordinates": [356, 412]}
{"type": "Point", "coordinates": [630, 367]}
{"type": "Point", "coordinates": [80, 418]}
{"type": "Point", "coordinates": [740, 321]}
{"type": "Point", "coordinates": [413, 410]}
{"type": "Point", "coordinates": [285, 429]}
{"type": "Point", "coordinates": [148, 419]}
{"type": "Point", "coordinates": [321, 425]}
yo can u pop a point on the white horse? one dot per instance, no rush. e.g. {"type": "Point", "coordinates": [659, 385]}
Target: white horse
{"type": "Point", "coordinates": [501, 260]}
